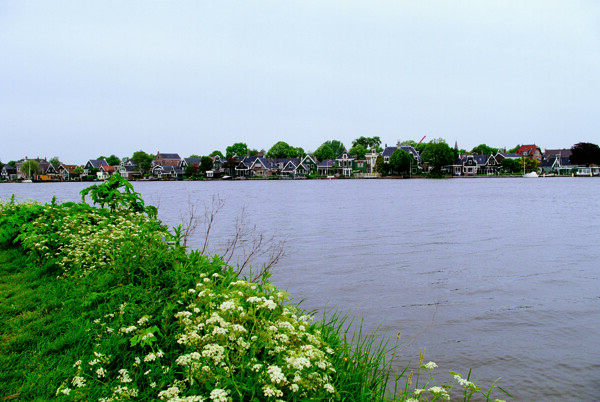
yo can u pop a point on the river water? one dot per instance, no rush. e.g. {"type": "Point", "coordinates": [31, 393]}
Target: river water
{"type": "Point", "coordinates": [499, 275]}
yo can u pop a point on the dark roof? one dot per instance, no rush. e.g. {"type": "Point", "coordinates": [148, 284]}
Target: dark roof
{"type": "Point", "coordinates": [192, 161]}
{"type": "Point", "coordinates": [169, 156]}
{"type": "Point", "coordinates": [388, 151]}
{"type": "Point", "coordinates": [326, 163]}
{"type": "Point", "coordinates": [552, 153]}
{"type": "Point", "coordinates": [510, 156]}
{"type": "Point", "coordinates": [97, 163]}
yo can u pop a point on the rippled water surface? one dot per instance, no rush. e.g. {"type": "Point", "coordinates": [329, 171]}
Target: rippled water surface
{"type": "Point", "coordinates": [498, 275]}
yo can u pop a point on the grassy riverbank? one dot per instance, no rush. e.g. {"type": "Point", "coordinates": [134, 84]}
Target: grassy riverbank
{"type": "Point", "coordinates": [106, 304]}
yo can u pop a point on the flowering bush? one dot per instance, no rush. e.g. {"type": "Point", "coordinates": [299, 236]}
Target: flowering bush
{"type": "Point", "coordinates": [222, 334]}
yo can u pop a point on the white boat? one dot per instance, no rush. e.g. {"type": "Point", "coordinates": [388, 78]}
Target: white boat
{"type": "Point", "coordinates": [531, 174]}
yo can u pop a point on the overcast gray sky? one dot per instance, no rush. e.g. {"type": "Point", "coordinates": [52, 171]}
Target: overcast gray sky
{"type": "Point", "coordinates": [79, 79]}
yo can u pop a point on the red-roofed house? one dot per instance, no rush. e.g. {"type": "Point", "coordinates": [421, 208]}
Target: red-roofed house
{"type": "Point", "coordinates": [530, 151]}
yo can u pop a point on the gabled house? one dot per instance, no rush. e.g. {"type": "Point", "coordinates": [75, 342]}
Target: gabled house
{"type": "Point", "coordinates": [8, 173]}
{"type": "Point", "coordinates": [472, 165]}
{"type": "Point", "coordinates": [371, 158]}
{"type": "Point", "coordinates": [530, 151]}
{"type": "Point", "coordinates": [558, 165]}
{"type": "Point", "coordinates": [93, 165]}
{"type": "Point", "coordinates": [326, 168]}
{"type": "Point", "coordinates": [262, 167]}
{"type": "Point", "coordinates": [289, 169]}
{"type": "Point", "coordinates": [217, 170]}
{"type": "Point", "coordinates": [129, 171]}
{"type": "Point", "coordinates": [67, 172]}
{"type": "Point", "coordinates": [185, 162]}
{"type": "Point", "coordinates": [551, 154]}
{"type": "Point", "coordinates": [345, 164]}
{"type": "Point", "coordinates": [167, 172]}
{"type": "Point", "coordinates": [166, 160]}
{"type": "Point", "coordinates": [307, 165]}
{"type": "Point", "coordinates": [105, 172]}
{"type": "Point", "coordinates": [389, 151]}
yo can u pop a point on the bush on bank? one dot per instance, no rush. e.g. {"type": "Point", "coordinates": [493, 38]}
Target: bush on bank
{"type": "Point", "coordinates": [105, 304]}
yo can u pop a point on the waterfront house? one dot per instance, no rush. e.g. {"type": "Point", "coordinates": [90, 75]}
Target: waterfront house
{"type": "Point", "coordinates": [326, 168]}
{"type": "Point", "coordinates": [167, 172]}
{"type": "Point", "coordinates": [67, 172]}
{"type": "Point", "coordinates": [389, 151]}
{"type": "Point", "coordinates": [190, 162]}
{"type": "Point", "coordinates": [166, 160]}
{"type": "Point", "coordinates": [129, 171]}
{"type": "Point", "coordinates": [93, 165]}
{"type": "Point", "coordinates": [8, 173]}
{"type": "Point", "coordinates": [530, 151]}
{"type": "Point", "coordinates": [105, 172]}
{"type": "Point", "coordinates": [345, 164]}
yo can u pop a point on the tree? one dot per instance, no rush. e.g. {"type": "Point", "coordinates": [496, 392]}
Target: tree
{"type": "Point", "coordinates": [585, 153]}
{"type": "Point", "coordinates": [324, 152]}
{"type": "Point", "coordinates": [239, 149]}
{"type": "Point", "coordinates": [438, 154]}
{"type": "Point", "coordinates": [483, 149]}
{"type": "Point", "coordinates": [190, 170]}
{"type": "Point", "coordinates": [12, 163]}
{"type": "Point", "coordinates": [230, 164]}
{"type": "Point", "coordinates": [78, 170]}
{"type": "Point", "coordinates": [113, 160]}
{"type": "Point", "coordinates": [531, 165]}
{"type": "Point", "coordinates": [400, 161]}
{"type": "Point", "coordinates": [512, 165]}
{"type": "Point", "coordinates": [420, 148]}
{"type": "Point", "coordinates": [30, 168]}
{"type": "Point", "coordinates": [329, 150]}
{"type": "Point", "coordinates": [55, 160]}
{"type": "Point", "coordinates": [359, 150]}
{"type": "Point", "coordinates": [514, 150]}
{"type": "Point", "coordinates": [409, 143]}
{"type": "Point", "coordinates": [206, 163]}
{"type": "Point", "coordinates": [368, 142]}
{"type": "Point", "coordinates": [142, 160]}
{"type": "Point", "coordinates": [297, 152]}
{"type": "Point", "coordinates": [215, 153]}
{"type": "Point", "coordinates": [281, 149]}
{"type": "Point", "coordinates": [379, 165]}
{"type": "Point", "coordinates": [194, 156]}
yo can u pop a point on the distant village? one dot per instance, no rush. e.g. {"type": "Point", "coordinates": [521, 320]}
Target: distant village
{"type": "Point", "coordinates": [399, 161]}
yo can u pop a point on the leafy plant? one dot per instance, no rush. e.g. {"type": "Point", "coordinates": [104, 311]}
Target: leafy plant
{"type": "Point", "coordinates": [108, 195]}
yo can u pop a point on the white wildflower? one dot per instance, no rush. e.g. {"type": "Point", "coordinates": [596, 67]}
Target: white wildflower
{"type": "Point", "coordinates": [268, 390]}
{"type": "Point", "coordinates": [227, 305]}
{"type": "Point", "coordinates": [270, 304]}
{"type": "Point", "coordinates": [276, 375]}
{"type": "Point", "coordinates": [78, 381]}
{"type": "Point", "coordinates": [219, 395]}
